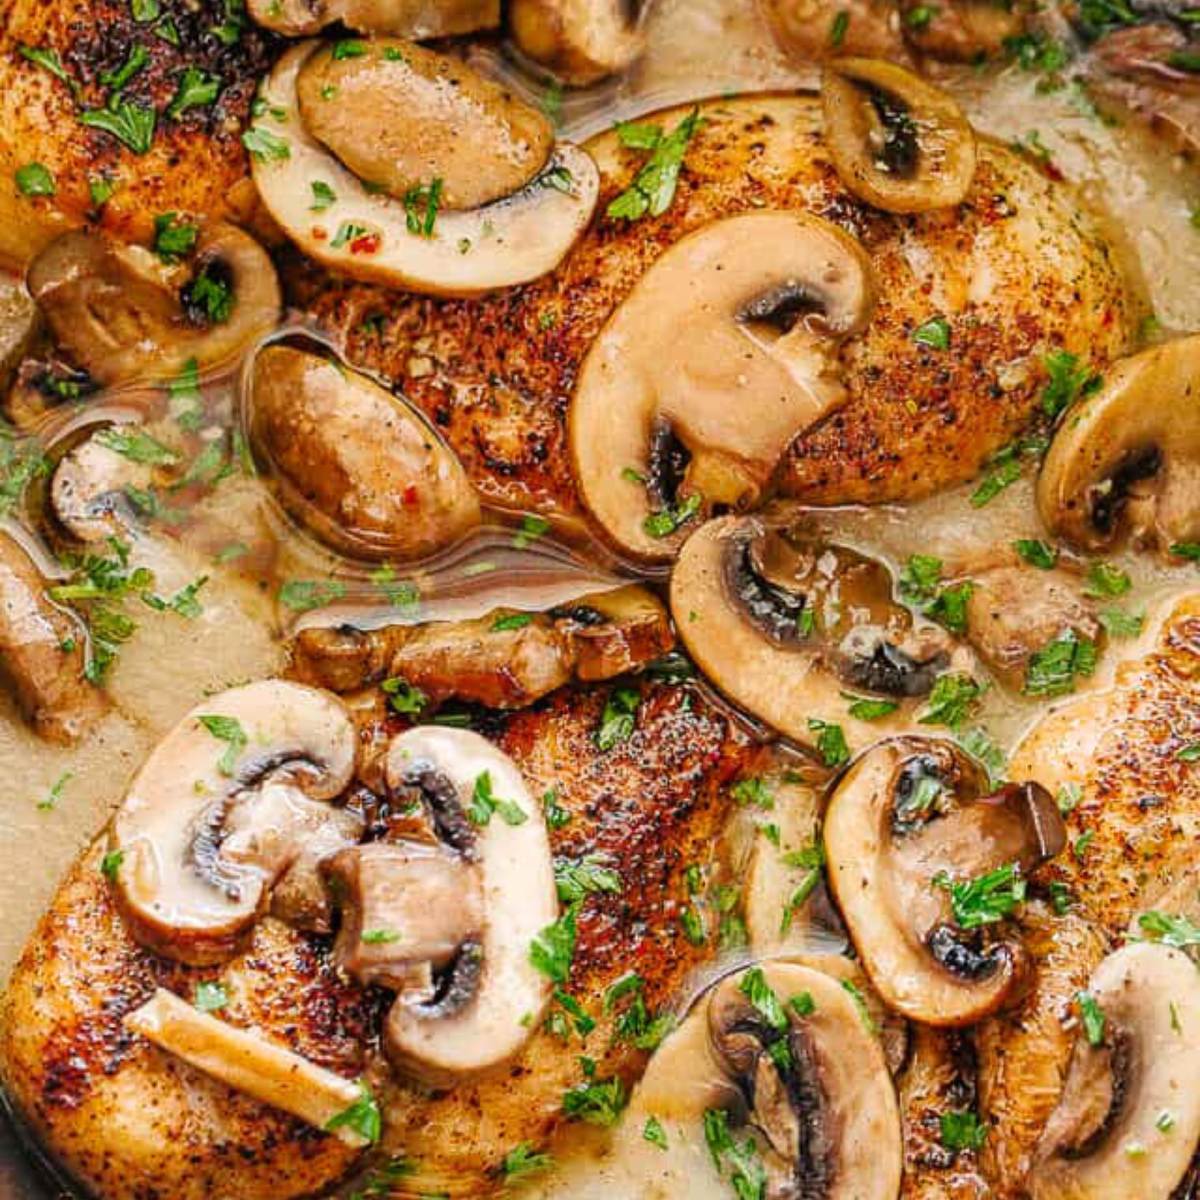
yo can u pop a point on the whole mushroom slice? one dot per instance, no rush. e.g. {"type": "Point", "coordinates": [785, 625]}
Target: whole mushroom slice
{"type": "Point", "coordinates": [122, 314]}
{"type": "Point", "coordinates": [910, 820]}
{"type": "Point", "coordinates": [416, 19]}
{"type": "Point", "coordinates": [1128, 1121]}
{"type": "Point", "coordinates": [897, 142]}
{"type": "Point", "coordinates": [413, 241]}
{"type": "Point", "coordinates": [89, 490]}
{"type": "Point", "coordinates": [724, 351]}
{"type": "Point", "coordinates": [223, 807]}
{"type": "Point", "coordinates": [780, 1057]}
{"type": "Point", "coordinates": [791, 627]}
{"type": "Point", "coordinates": [579, 41]}
{"type": "Point", "coordinates": [348, 460]}
{"type": "Point", "coordinates": [43, 653]}
{"type": "Point", "coordinates": [487, 996]}
{"type": "Point", "coordinates": [1128, 456]}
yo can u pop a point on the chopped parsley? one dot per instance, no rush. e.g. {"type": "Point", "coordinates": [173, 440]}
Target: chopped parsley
{"type": "Point", "coordinates": [511, 621]}
{"type": "Point", "coordinates": [1170, 930]}
{"type": "Point", "coordinates": [136, 59]}
{"type": "Point", "coordinates": [197, 89]}
{"type": "Point", "coordinates": [380, 937]}
{"type": "Point", "coordinates": [363, 1117]}
{"type": "Point", "coordinates": [618, 719]}
{"type": "Point", "coordinates": [747, 1175]}
{"type": "Point", "coordinates": [131, 124]}
{"type": "Point", "coordinates": [421, 203]}
{"type": "Point", "coordinates": [173, 239]}
{"type": "Point", "coordinates": [49, 61]}
{"type": "Point", "coordinates": [810, 859]}
{"type": "Point", "coordinates": [934, 333]}
{"type": "Point", "coordinates": [860, 1002]}
{"type": "Point", "coordinates": [54, 795]}
{"type": "Point", "coordinates": [576, 878]}
{"type": "Point", "coordinates": [1093, 1018]}
{"type": "Point", "coordinates": [228, 730]}
{"type": "Point", "coordinates": [403, 697]}
{"type": "Point", "coordinates": [1068, 382]}
{"type": "Point", "coordinates": [962, 1131]}
{"type": "Point", "coordinates": [1052, 670]}
{"type": "Point", "coordinates": [34, 179]}
{"type": "Point", "coordinates": [1103, 579]}
{"type": "Point", "coordinates": [1037, 553]}
{"type": "Point", "coordinates": [653, 187]}
{"type": "Point", "coordinates": [523, 1160]}
{"type": "Point", "coordinates": [323, 196]}
{"type": "Point", "coordinates": [348, 48]}
{"type": "Point", "coordinates": [484, 802]}
{"type": "Point", "coordinates": [556, 815]}
{"type": "Point", "coordinates": [831, 742]}
{"type": "Point", "coordinates": [598, 1101]}
{"type": "Point", "coordinates": [803, 1004]}
{"type": "Point", "coordinates": [210, 997]}
{"type": "Point", "coordinates": [754, 986]}
{"type": "Point", "coordinates": [750, 789]}
{"type": "Point", "coordinates": [552, 950]}
{"type": "Point", "coordinates": [266, 146]}
{"type": "Point", "coordinates": [951, 700]}
{"type": "Point", "coordinates": [838, 28]}
{"type": "Point", "coordinates": [210, 296]}
{"type": "Point", "coordinates": [532, 528]}
{"type": "Point", "coordinates": [654, 1133]}
{"type": "Point", "coordinates": [866, 708]}
{"type": "Point", "coordinates": [303, 595]}
{"type": "Point", "coordinates": [986, 899]}
{"type": "Point", "coordinates": [1121, 624]}
{"type": "Point", "coordinates": [110, 864]}
{"type": "Point", "coordinates": [666, 521]}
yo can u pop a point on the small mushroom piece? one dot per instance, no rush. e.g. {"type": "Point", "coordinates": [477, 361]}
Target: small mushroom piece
{"type": "Point", "coordinates": [810, 31]}
{"type": "Point", "coordinates": [908, 819]}
{"type": "Point", "coordinates": [960, 30]}
{"type": "Point", "coordinates": [788, 625]}
{"type": "Point", "coordinates": [724, 351]}
{"type": "Point", "coordinates": [348, 460]}
{"type": "Point", "coordinates": [248, 1062]}
{"type": "Point", "coordinates": [400, 116]}
{"type": "Point", "coordinates": [416, 19]}
{"type": "Point", "coordinates": [806, 1083]}
{"type": "Point", "coordinates": [121, 314]}
{"type": "Point", "coordinates": [615, 631]}
{"type": "Point", "coordinates": [19, 326]}
{"type": "Point", "coordinates": [488, 996]}
{"type": "Point", "coordinates": [89, 489]}
{"type": "Point", "coordinates": [223, 807]}
{"type": "Point", "coordinates": [1128, 456]}
{"type": "Point", "coordinates": [897, 142]}
{"type": "Point", "coordinates": [579, 41]}
{"type": "Point", "coordinates": [416, 239]}
{"type": "Point", "coordinates": [1128, 1120]}
{"type": "Point", "coordinates": [42, 653]}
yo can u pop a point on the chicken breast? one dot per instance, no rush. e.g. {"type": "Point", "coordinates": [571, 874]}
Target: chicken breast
{"type": "Point", "coordinates": [1114, 754]}
{"type": "Point", "coordinates": [136, 1124]}
{"type": "Point", "coordinates": [1018, 270]}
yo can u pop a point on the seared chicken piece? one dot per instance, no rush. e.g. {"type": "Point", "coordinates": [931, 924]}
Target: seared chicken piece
{"type": "Point", "coordinates": [1017, 271]}
{"type": "Point", "coordinates": [131, 1121]}
{"type": "Point", "coordinates": [1113, 758]}
{"type": "Point", "coordinates": [195, 162]}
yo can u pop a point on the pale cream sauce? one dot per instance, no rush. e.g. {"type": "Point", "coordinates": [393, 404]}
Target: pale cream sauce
{"type": "Point", "coordinates": [696, 48]}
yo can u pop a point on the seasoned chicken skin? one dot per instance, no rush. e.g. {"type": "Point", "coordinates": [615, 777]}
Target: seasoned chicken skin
{"type": "Point", "coordinates": [136, 1124]}
{"type": "Point", "coordinates": [1018, 270]}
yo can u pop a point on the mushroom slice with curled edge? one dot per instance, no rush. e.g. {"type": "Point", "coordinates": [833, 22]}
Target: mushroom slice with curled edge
{"type": "Point", "coordinates": [352, 462]}
{"type": "Point", "coordinates": [1129, 454]}
{"type": "Point", "coordinates": [503, 660]}
{"type": "Point", "coordinates": [249, 1063]}
{"type": "Point", "coordinates": [417, 19]}
{"type": "Point", "coordinates": [579, 41]}
{"type": "Point", "coordinates": [42, 653]}
{"type": "Point", "coordinates": [792, 627]}
{"type": "Point", "coordinates": [1128, 1120]}
{"type": "Point", "coordinates": [224, 806]}
{"type": "Point", "coordinates": [910, 825]}
{"type": "Point", "coordinates": [897, 142]}
{"type": "Point", "coordinates": [723, 352]}
{"type": "Point", "coordinates": [122, 314]}
{"type": "Point", "coordinates": [461, 909]}
{"type": "Point", "coordinates": [417, 120]}
{"type": "Point", "coordinates": [779, 1061]}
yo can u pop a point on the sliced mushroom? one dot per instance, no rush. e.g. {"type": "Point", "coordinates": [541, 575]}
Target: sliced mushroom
{"type": "Point", "coordinates": [813, 1095]}
{"type": "Point", "coordinates": [348, 223]}
{"type": "Point", "coordinates": [1013, 612]}
{"type": "Point", "coordinates": [723, 352]}
{"type": "Point", "coordinates": [1129, 454]}
{"type": "Point", "coordinates": [960, 30]}
{"type": "Point", "coordinates": [400, 116]}
{"type": "Point", "coordinates": [43, 653]}
{"type": "Point", "coordinates": [353, 463]}
{"type": "Point", "coordinates": [496, 881]}
{"type": "Point", "coordinates": [897, 142]}
{"type": "Point", "coordinates": [791, 628]}
{"type": "Point", "coordinates": [121, 314]}
{"type": "Point", "coordinates": [223, 807]}
{"type": "Point", "coordinates": [911, 817]}
{"type": "Point", "coordinates": [502, 660]}
{"type": "Point", "coordinates": [813, 30]}
{"type": "Point", "coordinates": [580, 41]}
{"type": "Point", "coordinates": [416, 19]}
{"type": "Point", "coordinates": [19, 325]}
{"type": "Point", "coordinates": [90, 488]}
{"type": "Point", "coordinates": [1128, 1121]}
{"type": "Point", "coordinates": [248, 1062]}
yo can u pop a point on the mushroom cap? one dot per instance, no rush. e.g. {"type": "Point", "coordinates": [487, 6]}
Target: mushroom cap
{"type": "Point", "coordinates": [443, 1039]}
{"type": "Point", "coordinates": [400, 116]}
{"type": "Point", "coordinates": [367, 235]}
{"type": "Point", "coordinates": [1107, 1139]}
{"type": "Point", "coordinates": [1129, 454]}
{"type": "Point", "coordinates": [207, 825]}
{"type": "Point", "coordinates": [580, 41]}
{"type": "Point", "coordinates": [87, 489]}
{"type": "Point", "coordinates": [121, 315]}
{"type": "Point", "coordinates": [851, 1146]}
{"type": "Point", "coordinates": [897, 142]}
{"type": "Point", "coordinates": [721, 354]}
{"type": "Point", "coordinates": [773, 670]}
{"type": "Point", "coordinates": [416, 19]}
{"type": "Point", "coordinates": [883, 858]}
{"type": "Point", "coordinates": [353, 463]}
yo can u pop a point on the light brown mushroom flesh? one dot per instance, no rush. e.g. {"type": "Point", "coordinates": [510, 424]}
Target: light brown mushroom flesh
{"type": "Point", "coordinates": [579, 41]}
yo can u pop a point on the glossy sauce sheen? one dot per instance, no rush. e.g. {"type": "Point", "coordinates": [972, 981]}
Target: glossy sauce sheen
{"type": "Point", "coordinates": [641, 801]}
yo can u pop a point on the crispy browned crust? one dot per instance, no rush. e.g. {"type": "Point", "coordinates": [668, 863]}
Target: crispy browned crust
{"type": "Point", "coordinates": [196, 164]}
{"type": "Point", "coordinates": [496, 374]}
{"type": "Point", "coordinates": [137, 1125]}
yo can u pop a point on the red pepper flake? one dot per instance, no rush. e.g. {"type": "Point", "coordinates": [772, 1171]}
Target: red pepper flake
{"type": "Point", "coordinates": [367, 244]}
{"type": "Point", "coordinates": [410, 494]}
{"type": "Point", "coordinates": [319, 234]}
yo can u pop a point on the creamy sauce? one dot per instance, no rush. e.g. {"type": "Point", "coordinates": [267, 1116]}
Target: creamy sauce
{"type": "Point", "coordinates": [697, 48]}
